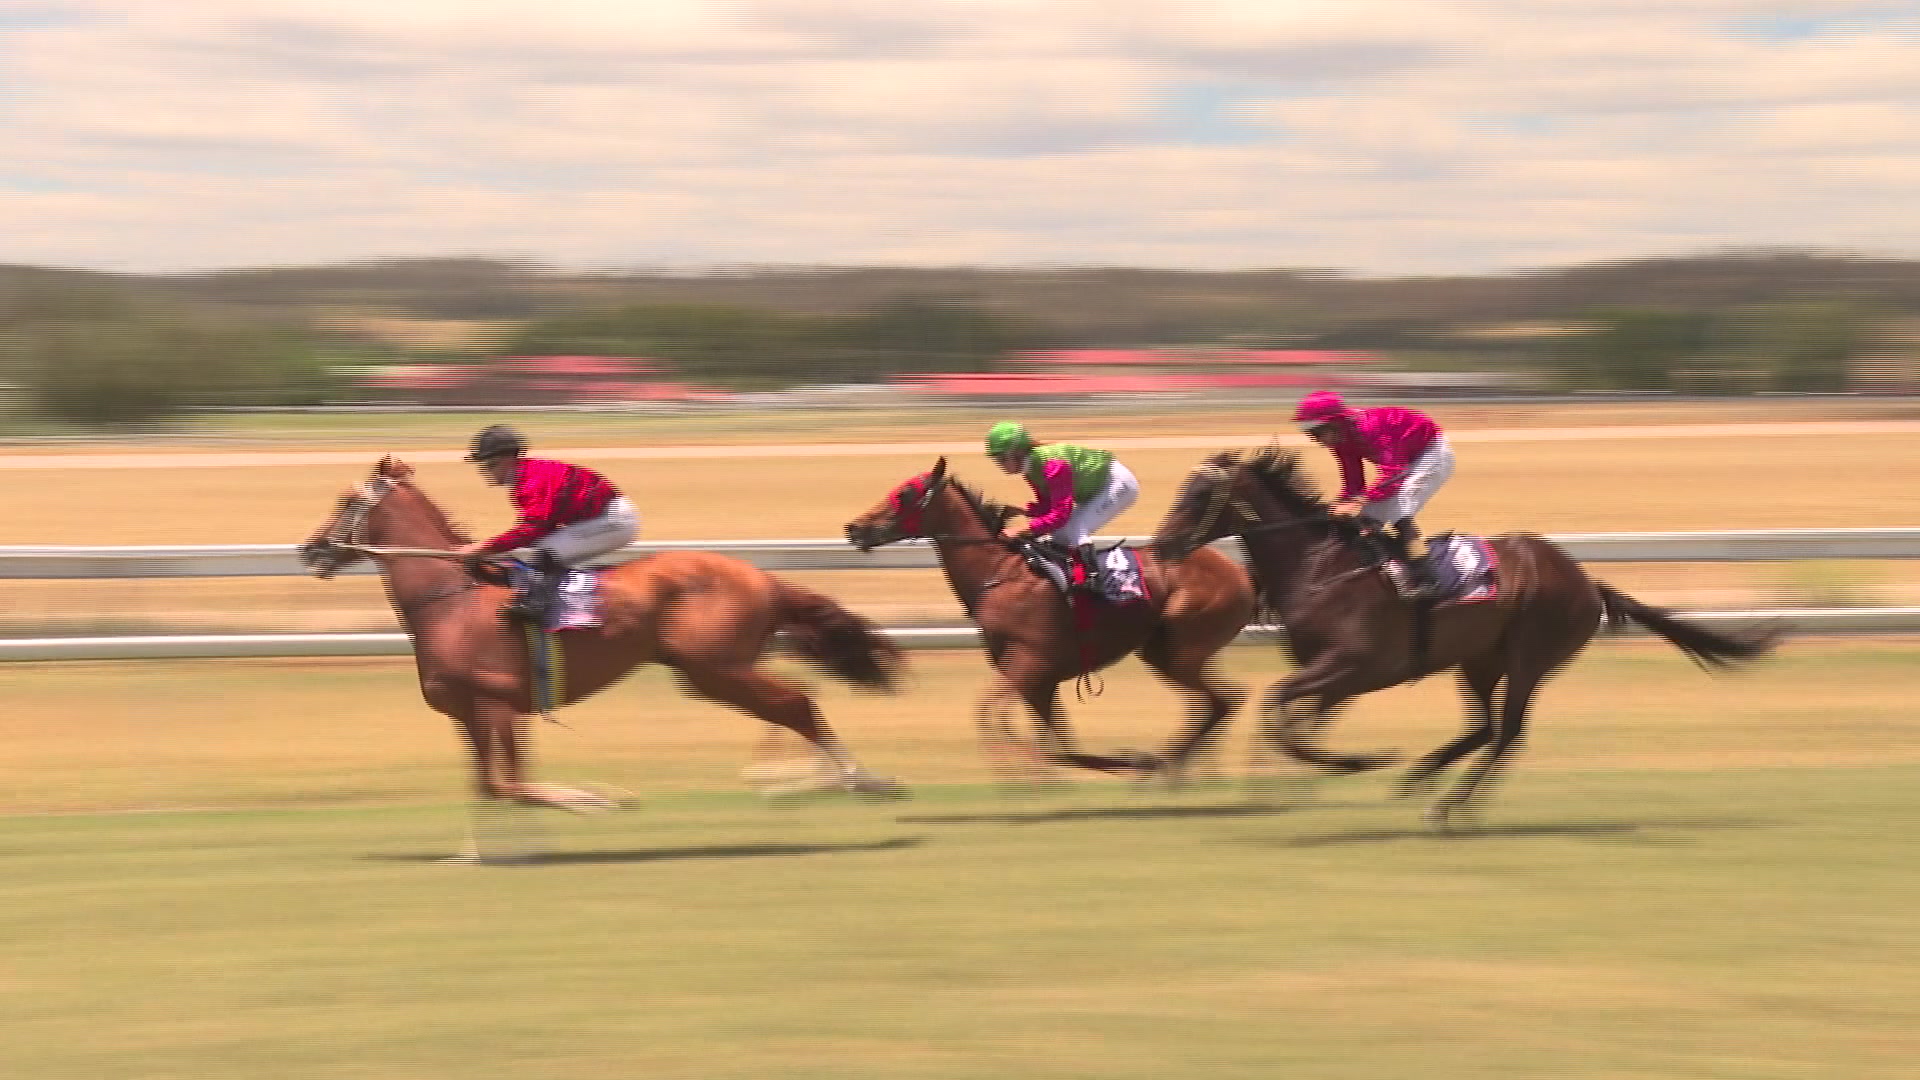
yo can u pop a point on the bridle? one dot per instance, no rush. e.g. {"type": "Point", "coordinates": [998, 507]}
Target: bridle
{"type": "Point", "coordinates": [344, 534]}
{"type": "Point", "coordinates": [346, 530]}
{"type": "Point", "coordinates": [353, 516]}
{"type": "Point", "coordinates": [907, 518]}
{"type": "Point", "coordinates": [1218, 485]}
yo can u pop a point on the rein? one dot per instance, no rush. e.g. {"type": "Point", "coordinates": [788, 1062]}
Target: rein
{"type": "Point", "coordinates": [402, 552]}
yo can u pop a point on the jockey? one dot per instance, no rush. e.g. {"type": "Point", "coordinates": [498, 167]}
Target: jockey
{"type": "Point", "coordinates": [568, 514]}
{"type": "Point", "coordinates": [1413, 459]}
{"type": "Point", "coordinates": [1077, 490]}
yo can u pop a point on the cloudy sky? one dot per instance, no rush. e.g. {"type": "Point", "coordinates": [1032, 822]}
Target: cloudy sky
{"type": "Point", "coordinates": [1373, 136]}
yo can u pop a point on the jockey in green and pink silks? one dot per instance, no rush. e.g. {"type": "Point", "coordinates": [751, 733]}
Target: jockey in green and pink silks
{"type": "Point", "coordinates": [1412, 455]}
{"type": "Point", "coordinates": [1076, 489]}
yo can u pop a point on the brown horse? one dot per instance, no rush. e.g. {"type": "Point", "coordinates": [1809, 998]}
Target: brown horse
{"type": "Point", "coordinates": [1350, 633]}
{"type": "Point", "coordinates": [1196, 608]}
{"type": "Point", "coordinates": [709, 617]}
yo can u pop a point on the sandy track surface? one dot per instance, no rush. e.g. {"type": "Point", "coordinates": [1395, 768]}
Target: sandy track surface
{"type": "Point", "coordinates": [250, 459]}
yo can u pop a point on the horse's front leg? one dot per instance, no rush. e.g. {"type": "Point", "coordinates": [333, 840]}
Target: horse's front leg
{"type": "Point", "coordinates": [501, 767]}
{"type": "Point", "coordinates": [1014, 764]}
{"type": "Point", "coordinates": [498, 830]}
{"type": "Point", "coordinates": [1038, 687]}
{"type": "Point", "coordinates": [1328, 681]}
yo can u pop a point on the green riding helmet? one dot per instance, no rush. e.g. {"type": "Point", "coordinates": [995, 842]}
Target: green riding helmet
{"type": "Point", "coordinates": [1007, 437]}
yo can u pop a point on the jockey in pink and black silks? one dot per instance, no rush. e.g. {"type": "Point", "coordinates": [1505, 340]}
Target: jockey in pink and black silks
{"type": "Point", "coordinates": [568, 514]}
{"type": "Point", "coordinates": [1408, 448]}
{"type": "Point", "coordinates": [1077, 490]}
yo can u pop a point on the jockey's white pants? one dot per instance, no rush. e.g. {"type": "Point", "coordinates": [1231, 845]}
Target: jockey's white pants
{"type": "Point", "coordinates": [1430, 470]}
{"type": "Point", "coordinates": [574, 544]}
{"type": "Point", "coordinates": [1109, 503]}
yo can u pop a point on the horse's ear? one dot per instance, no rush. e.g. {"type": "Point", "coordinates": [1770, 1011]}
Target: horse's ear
{"type": "Point", "coordinates": [939, 474]}
{"type": "Point", "coordinates": [393, 468]}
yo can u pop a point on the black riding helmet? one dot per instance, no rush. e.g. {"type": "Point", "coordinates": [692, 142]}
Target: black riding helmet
{"type": "Point", "coordinates": [497, 440]}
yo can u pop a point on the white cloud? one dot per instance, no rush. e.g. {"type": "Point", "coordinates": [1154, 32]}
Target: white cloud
{"type": "Point", "coordinates": [1374, 135]}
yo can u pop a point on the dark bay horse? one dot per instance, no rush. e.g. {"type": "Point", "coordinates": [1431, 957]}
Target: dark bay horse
{"type": "Point", "coordinates": [1196, 608]}
{"type": "Point", "coordinates": [1350, 633]}
{"type": "Point", "coordinates": [709, 617]}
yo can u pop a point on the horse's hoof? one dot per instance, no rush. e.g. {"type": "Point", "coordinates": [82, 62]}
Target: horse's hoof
{"type": "Point", "coordinates": [572, 800]}
{"type": "Point", "coordinates": [868, 786]}
{"type": "Point", "coordinates": [1451, 819]}
{"type": "Point", "coordinates": [473, 858]}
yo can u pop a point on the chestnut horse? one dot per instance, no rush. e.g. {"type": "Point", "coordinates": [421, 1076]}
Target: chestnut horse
{"type": "Point", "coordinates": [1350, 633]}
{"type": "Point", "coordinates": [708, 617]}
{"type": "Point", "coordinates": [1196, 609]}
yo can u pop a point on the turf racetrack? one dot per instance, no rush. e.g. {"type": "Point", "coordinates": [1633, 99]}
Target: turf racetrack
{"type": "Point", "coordinates": [1683, 877]}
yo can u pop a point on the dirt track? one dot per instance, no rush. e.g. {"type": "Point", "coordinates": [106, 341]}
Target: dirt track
{"type": "Point", "coordinates": [228, 460]}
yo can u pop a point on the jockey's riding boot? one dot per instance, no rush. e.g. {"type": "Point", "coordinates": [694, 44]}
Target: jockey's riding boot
{"type": "Point", "coordinates": [1090, 564]}
{"type": "Point", "coordinates": [1420, 583]}
{"type": "Point", "coordinates": [1378, 546]}
{"type": "Point", "coordinates": [533, 602]}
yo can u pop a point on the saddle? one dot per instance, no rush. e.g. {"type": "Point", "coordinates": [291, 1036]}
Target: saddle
{"type": "Point", "coordinates": [1457, 567]}
{"type": "Point", "coordinates": [1112, 573]}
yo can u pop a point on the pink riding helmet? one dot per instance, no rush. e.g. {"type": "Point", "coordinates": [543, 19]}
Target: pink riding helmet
{"type": "Point", "coordinates": [1319, 407]}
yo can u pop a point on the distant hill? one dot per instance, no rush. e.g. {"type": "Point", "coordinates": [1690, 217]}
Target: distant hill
{"type": "Point", "coordinates": [1086, 305]}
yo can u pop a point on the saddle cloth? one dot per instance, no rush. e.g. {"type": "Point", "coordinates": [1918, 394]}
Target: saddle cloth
{"type": "Point", "coordinates": [1120, 580]}
{"type": "Point", "coordinates": [1462, 567]}
{"type": "Point", "coordinates": [575, 607]}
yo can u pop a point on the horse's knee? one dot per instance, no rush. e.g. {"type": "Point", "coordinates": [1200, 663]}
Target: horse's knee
{"type": "Point", "coordinates": [437, 694]}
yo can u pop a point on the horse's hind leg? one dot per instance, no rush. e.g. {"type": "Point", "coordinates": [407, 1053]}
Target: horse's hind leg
{"type": "Point", "coordinates": [756, 693]}
{"type": "Point", "coordinates": [1479, 680]}
{"type": "Point", "coordinates": [1508, 730]}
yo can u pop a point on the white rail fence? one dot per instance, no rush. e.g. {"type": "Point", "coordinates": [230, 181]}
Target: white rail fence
{"type": "Point", "coordinates": [279, 560]}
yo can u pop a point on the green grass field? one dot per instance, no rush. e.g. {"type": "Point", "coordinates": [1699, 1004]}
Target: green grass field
{"type": "Point", "coordinates": [1685, 877]}
{"type": "Point", "coordinates": [230, 869]}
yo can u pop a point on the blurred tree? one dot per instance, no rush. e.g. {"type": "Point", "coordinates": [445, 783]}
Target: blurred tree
{"type": "Point", "coordinates": [718, 342]}
{"type": "Point", "coordinates": [1636, 349]}
{"type": "Point", "coordinates": [923, 333]}
{"type": "Point", "coordinates": [1804, 346]}
{"type": "Point", "coordinates": [96, 362]}
{"type": "Point", "coordinates": [757, 347]}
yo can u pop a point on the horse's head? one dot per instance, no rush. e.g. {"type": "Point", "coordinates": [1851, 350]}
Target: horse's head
{"type": "Point", "coordinates": [331, 547]}
{"type": "Point", "coordinates": [1211, 504]}
{"type": "Point", "coordinates": [1230, 493]}
{"type": "Point", "coordinates": [901, 515]}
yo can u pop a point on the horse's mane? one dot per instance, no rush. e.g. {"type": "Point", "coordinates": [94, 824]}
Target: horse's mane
{"type": "Point", "coordinates": [1280, 473]}
{"type": "Point", "coordinates": [400, 474]}
{"type": "Point", "coordinates": [991, 512]}
{"type": "Point", "coordinates": [435, 515]}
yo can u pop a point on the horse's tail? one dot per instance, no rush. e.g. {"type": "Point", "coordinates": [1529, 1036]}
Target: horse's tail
{"type": "Point", "coordinates": [843, 643]}
{"type": "Point", "coordinates": [1711, 649]}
